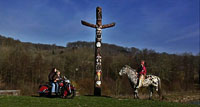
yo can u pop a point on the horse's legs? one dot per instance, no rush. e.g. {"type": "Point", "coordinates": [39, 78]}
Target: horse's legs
{"type": "Point", "coordinates": [150, 92]}
{"type": "Point", "coordinates": [157, 88]}
{"type": "Point", "coordinates": [136, 93]}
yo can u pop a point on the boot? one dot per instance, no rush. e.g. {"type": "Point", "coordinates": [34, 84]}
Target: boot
{"type": "Point", "coordinates": [140, 83]}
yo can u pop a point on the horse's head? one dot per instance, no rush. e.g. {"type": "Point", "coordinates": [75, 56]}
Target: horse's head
{"type": "Point", "coordinates": [124, 70]}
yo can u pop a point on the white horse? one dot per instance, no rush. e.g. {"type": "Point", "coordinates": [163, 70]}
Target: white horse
{"type": "Point", "coordinates": [150, 81]}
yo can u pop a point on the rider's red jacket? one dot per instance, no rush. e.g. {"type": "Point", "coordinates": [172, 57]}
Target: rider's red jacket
{"type": "Point", "coordinates": [144, 71]}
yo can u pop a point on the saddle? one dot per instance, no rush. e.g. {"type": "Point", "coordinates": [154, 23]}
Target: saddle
{"type": "Point", "coordinates": [143, 76]}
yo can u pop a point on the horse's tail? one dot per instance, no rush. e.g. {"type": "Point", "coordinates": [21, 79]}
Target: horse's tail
{"type": "Point", "coordinates": [159, 89]}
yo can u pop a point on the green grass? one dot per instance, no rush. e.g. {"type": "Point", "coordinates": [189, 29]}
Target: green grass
{"type": "Point", "coordinates": [83, 101]}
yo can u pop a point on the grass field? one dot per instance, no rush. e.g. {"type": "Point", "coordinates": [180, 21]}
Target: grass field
{"type": "Point", "coordinates": [83, 101]}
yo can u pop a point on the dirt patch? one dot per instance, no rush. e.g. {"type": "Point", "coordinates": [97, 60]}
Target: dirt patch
{"type": "Point", "coordinates": [181, 97]}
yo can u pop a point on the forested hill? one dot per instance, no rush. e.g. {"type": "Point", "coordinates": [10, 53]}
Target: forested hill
{"type": "Point", "coordinates": [10, 42]}
{"type": "Point", "coordinates": [107, 48]}
{"type": "Point", "coordinates": [25, 66]}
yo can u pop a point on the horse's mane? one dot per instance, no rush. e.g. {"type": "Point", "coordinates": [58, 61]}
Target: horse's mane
{"type": "Point", "coordinates": [130, 68]}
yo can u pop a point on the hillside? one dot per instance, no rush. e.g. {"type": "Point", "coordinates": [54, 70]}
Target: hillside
{"type": "Point", "coordinates": [107, 48]}
{"type": "Point", "coordinates": [10, 42]}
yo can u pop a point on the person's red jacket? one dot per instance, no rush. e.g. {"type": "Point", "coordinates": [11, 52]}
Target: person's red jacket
{"type": "Point", "coordinates": [144, 71]}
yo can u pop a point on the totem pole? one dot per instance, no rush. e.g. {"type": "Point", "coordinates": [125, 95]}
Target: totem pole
{"type": "Point", "coordinates": [97, 62]}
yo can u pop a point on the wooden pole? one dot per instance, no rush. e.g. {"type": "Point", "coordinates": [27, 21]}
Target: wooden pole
{"type": "Point", "coordinates": [98, 57]}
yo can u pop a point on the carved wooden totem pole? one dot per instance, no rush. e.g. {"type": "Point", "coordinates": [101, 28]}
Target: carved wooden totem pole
{"type": "Point", "coordinates": [97, 62]}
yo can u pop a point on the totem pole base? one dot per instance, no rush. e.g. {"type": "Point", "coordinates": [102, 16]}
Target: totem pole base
{"type": "Point", "coordinates": [97, 91]}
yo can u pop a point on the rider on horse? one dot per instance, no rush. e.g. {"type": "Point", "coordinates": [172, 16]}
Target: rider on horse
{"type": "Point", "coordinates": [141, 73]}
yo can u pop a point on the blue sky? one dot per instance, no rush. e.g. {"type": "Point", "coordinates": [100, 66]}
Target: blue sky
{"type": "Point", "coordinates": [162, 25]}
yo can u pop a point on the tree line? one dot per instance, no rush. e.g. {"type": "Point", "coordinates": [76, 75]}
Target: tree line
{"type": "Point", "coordinates": [25, 66]}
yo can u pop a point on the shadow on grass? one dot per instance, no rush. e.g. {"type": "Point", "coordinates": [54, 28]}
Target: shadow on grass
{"type": "Point", "coordinates": [53, 96]}
{"type": "Point", "coordinates": [98, 96]}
